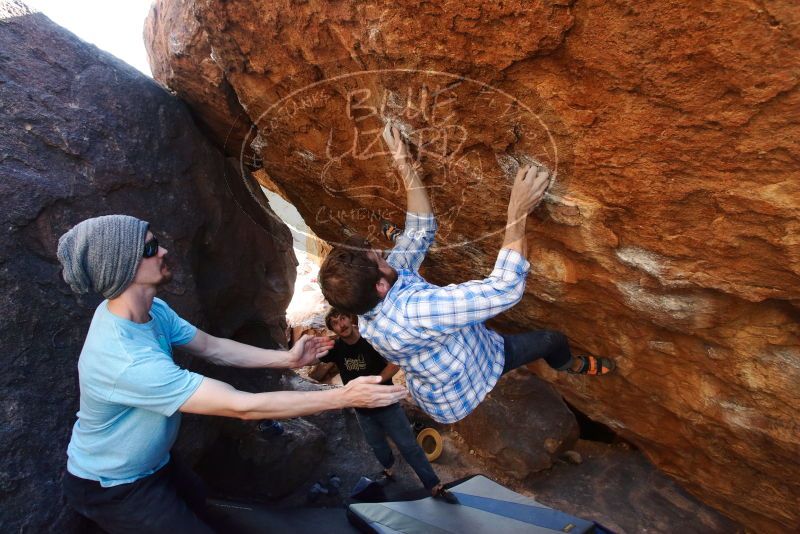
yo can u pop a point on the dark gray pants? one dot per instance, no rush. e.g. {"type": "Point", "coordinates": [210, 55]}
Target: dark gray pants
{"type": "Point", "coordinates": [392, 421]}
{"type": "Point", "coordinates": [522, 349]}
{"type": "Point", "coordinates": [170, 501]}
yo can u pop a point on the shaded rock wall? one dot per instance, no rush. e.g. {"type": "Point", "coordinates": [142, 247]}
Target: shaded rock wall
{"type": "Point", "coordinates": [82, 134]}
{"type": "Point", "coordinates": [247, 466]}
{"type": "Point", "coordinates": [233, 458]}
{"type": "Point", "coordinates": [668, 240]}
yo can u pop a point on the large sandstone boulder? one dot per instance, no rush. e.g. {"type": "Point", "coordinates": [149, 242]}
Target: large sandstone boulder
{"type": "Point", "coordinates": [82, 134]}
{"type": "Point", "coordinates": [203, 85]}
{"type": "Point", "coordinates": [521, 427]}
{"type": "Point", "coordinates": [668, 240]}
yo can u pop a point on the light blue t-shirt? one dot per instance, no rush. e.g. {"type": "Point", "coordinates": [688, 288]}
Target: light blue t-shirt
{"type": "Point", "coordinates": [131, 390]}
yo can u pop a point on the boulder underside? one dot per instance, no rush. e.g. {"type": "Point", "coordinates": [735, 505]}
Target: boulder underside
{"type": "Point", "coordinates": [668, 239]}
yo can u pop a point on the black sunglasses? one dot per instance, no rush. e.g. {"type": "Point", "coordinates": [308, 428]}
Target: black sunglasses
{"type": "Point", "coordinates": [151, 248]}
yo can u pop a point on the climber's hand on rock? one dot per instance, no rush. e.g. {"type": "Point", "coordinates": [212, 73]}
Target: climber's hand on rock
{"type": "Point", "coordinates": [395, 143]}
{"type": "Point", "coordinates": [529, 187]}
{"type": "Point", "coordinates": [408, 170]}
{"type": "Point", "coordinates": [367, 392]}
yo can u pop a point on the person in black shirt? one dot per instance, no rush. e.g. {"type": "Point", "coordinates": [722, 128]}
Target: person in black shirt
{"type": "Point", "coordinates": [354, 357]}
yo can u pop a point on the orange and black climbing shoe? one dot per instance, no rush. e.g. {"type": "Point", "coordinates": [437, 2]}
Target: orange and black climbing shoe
{"type": "Point", "coordinates": [594, 366]}
{"type": "Point", "coordinates": [390, 230]}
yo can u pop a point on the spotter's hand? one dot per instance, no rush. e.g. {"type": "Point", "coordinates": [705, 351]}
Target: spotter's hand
{"type": "Point", "coordinates": [308, 349]}
{"type": "Point", "coordinates": [367, 392]}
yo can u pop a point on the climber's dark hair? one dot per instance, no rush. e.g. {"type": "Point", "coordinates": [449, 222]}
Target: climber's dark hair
{"type": "Point", "coordinates": [348, 277]}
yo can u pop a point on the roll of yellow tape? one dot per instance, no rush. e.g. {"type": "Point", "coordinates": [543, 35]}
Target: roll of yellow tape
{"type": "Point", "coordinates": [424, 439]}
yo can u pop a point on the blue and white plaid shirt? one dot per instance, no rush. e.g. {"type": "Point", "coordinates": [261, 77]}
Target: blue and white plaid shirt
{"type": "Point", "coordinates": [436, 334]}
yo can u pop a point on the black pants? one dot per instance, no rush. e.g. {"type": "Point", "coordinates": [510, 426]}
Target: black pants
{"type": "Point", "coordinates": [392, 421]}
{"type": "Point", "coordinates": [171, 500]}
{"type": "Point", "coordinates": [522, 349]}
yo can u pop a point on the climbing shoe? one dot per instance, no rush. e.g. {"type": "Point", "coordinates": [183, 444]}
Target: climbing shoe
{"type": "Point", "coordinates": [316, 491]}
{"type": "Point", "coordinates": [385, 477]}
{"type": "Point", "coordinates": [334, 484]}
{"type": "Point", "coordinates": [593, 366]}
{"type": "Point", "coordinates": [390, 230]}
{"type": "Point", "coordinates": [442, 494]}
{"type": "Point", "coordinates": [269, 428]}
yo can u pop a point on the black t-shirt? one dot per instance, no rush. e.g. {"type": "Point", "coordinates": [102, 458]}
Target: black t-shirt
{"type": "Point", "coordinates": [358, 359]}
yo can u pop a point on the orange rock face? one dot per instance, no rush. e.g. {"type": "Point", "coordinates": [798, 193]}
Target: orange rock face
{"type": "Point", "coordinates": [669, 238]}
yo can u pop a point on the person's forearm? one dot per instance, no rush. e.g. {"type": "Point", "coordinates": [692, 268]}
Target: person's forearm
{"type": "Point", "coordinates": [214, 397]}
{"type": "Point", "coordinates": [228, 352]}
{"type": "Point", "coordinates": [416, 193]}
{"type": "Point", "coordinates": [515, 234]}
{"type": "Point", "coordinates": [287, 404]}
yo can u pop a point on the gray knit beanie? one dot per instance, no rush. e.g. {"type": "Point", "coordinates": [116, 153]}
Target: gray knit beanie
{"type": "Point", "coordinates": [102, 254]}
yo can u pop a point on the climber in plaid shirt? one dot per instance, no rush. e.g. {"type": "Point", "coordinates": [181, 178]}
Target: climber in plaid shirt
{"type": "Point", "coordinates": [437, 334]}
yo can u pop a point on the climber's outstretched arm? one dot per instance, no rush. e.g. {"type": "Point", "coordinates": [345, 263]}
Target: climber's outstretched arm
{"type": "Point", "coordinates": [416, 194]}
{"type": "Point", "coordinates": [420, 225]}
{"type": "Point", "coordinates": [530, 185]}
